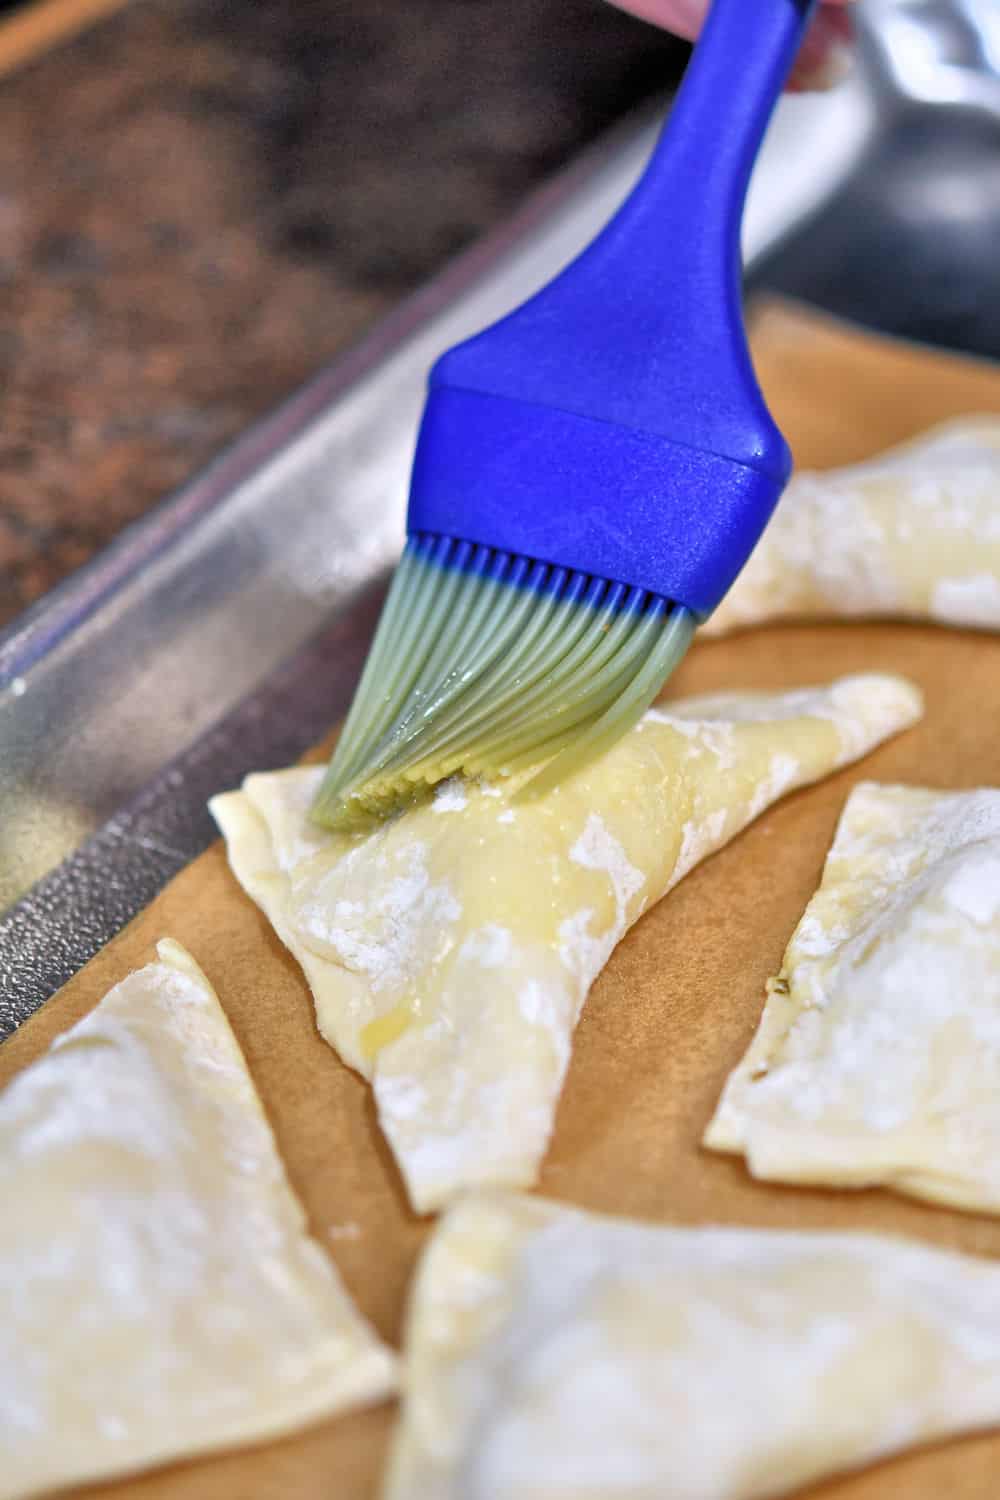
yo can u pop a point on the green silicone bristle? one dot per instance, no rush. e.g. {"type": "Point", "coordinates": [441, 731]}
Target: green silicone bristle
{"type": "Point", "coordinates": [492, 665]}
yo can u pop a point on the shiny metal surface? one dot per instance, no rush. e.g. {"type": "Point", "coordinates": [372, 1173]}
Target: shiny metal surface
{"type": "Point", "coordinates": [225, 631]}
{"type": "Point", "coordinates": [910, 240]}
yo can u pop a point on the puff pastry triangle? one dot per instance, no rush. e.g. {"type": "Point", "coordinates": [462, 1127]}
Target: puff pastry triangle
{"type": "Point", "coordinates": [159, 1293]}
{"type": "Point", "coordinates": [877, 1058]}
{"type": "Point", "coordinates": [553, 1354]}
{"type": "Point", "coordinates": [450, 951]}
{"type": "Point", "coordinates": [913, 533]}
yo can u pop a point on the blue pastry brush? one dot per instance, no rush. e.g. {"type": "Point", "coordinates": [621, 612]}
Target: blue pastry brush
{"type": "Point", "coordinates": [591, 472]}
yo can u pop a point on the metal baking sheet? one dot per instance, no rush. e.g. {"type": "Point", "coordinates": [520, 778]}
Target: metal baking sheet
{"type": "Point", "coordinates": [224, 632]}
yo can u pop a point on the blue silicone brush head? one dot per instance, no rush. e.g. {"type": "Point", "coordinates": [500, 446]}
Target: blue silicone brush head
{"type": "Point", "coordinates": [591, 472]}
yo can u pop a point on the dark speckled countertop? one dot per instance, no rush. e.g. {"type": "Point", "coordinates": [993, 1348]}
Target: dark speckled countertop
{"type": "Point", "coordinates": [201, 200]}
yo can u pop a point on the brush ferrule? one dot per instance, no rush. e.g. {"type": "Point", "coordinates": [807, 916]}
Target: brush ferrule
{"type": "Point", "coordinates": [610, 501]}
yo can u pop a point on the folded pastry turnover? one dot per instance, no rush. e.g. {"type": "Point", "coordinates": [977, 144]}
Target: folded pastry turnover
{"type": "Point", "coordinates": [877, 1059]}
{"type": "Point", "coordinates": [558, 1355]}
{"type": "Point", "coordinates": [159, 1293]}
{"type": "Point", "coordinates": [914, 533]}
{"type": "Point", "coordinates": [449, 951]}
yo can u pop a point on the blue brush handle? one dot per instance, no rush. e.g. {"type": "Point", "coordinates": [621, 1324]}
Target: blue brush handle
{"type": "Point", "coordinates": [643, 331]}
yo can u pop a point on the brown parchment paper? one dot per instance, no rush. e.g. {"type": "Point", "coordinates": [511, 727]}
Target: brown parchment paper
{"type": "Point", "coordinates": [675, 1006]}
